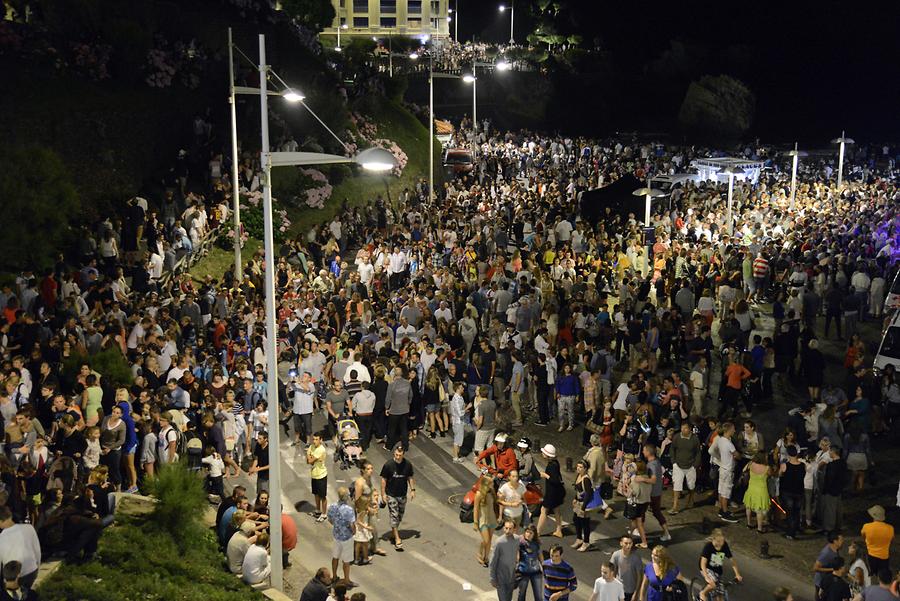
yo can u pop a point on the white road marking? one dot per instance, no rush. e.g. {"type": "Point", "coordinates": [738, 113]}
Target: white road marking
{"type": "Point", "coordinates": [466, 586]}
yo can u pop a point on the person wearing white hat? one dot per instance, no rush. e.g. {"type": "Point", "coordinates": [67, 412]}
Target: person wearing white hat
{"type": "Point", "coordinates": [554, 491]}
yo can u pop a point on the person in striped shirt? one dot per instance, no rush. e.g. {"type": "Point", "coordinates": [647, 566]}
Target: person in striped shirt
{"type": "Point", "coordinates": [559, 576]}
{"type": "Point", "coordinates": [760, 271]}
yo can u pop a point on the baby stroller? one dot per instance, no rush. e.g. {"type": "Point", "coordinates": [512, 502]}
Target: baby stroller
{"type": "Point", "coordinates": [62, 474]}
{"type": "Point", "coordinates": [348, 450]}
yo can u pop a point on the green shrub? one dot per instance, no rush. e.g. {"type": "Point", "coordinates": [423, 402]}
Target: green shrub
{"type": "Point", "coordinates": [138, 562]}
{"type": "Point", "coordinates": [181, 501]}
{"type": "Point", "coordinates": [110, 363]}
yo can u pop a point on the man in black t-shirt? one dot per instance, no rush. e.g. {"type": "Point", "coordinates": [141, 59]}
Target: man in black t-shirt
{"type": "Point", "coordinates": [396, 480]}
{"type": "Point", "coordinates": [260, 465]}
{"type": "Point", "coordinates": [712, 562]}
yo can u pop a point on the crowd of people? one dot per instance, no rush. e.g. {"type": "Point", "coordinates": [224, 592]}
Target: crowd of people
{"type": "Point", "coordinates": [466, 315]}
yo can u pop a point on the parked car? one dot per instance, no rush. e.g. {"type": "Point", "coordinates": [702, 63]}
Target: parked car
{"type": "Point", "coordinates": [459, 161]}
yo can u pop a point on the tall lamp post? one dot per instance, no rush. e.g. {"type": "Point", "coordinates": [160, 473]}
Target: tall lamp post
{"type": "Point", "coordinates": [512, 18]}
{"type": "Point", "coordinates": [795, 155]}
{"type": "Point", "coordinates": [233, 91]}
{"type": "Point", "coordinates": [470, 78]}
{"type": "Point", "coordinates": [730, 172]}
{"type": "Point", "coordinates": [339, 28]}
{"type": "Point", "coordinates": [648, 193]}
{"type": "Point", "coordinates": [235, 189]}
{"type": "Point", "coordinates": [843, 141]}
{"type": "Point", "coordinates": [473, 79]}
{"type": "Point", "coordinates": [431, 77]}
{"type": "Point", "coordinates": [455, 19]}
{"type": "Point", "coordinates": [373, 159]}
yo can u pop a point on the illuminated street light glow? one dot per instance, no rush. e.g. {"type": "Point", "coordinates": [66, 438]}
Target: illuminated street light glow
{"type": "Point", "coordinates": [468, 78]}
{"type": "Point", "coordinates": [503, 66]}
{"type": "Point", "coordinates": [292, 95]}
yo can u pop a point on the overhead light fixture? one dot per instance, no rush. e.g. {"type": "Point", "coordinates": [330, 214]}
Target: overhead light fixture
{"type": "Point", "coordinates": [503, 66]}
{"type": "Point", "coordinates": [468, 78]}
{"type": "Point", "coordinates": [376, 159]}
{"type": "Point", "coordinates": [337, 48]}
{"type": "Point", "coordinates": [413, 56]}
{"type": "Point", "coordinates": [502, 7]}
{"type": "Point", "coordinates": [344, 26]}
{"type": "Point", "coordinates": [292, 95]}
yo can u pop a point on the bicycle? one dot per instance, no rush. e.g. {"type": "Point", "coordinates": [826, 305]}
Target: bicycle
{"type": "Point", "coordinates": [719, 593]}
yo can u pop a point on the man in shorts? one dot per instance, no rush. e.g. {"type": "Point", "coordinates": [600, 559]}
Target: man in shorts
{"type": "Point", "coordinates": [397, 479]}
{"type": "Point", "coordinates": [685, 453]}
{"type": "Point", "coordinates": [343, 527]}
{"type": "Point", "coordinates": [315, 457]}
{"type": "Point", "coordinates": [723, 454]}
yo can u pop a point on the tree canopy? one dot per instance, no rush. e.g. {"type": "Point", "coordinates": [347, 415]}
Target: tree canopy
{"type": "Point", "coordinates": [39, 202]}
{"type": "Point", "coordinates": [315, 14]}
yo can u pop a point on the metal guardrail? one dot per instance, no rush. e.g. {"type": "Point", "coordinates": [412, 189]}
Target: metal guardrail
{"type": "Point", "coordinates": [188, 260]}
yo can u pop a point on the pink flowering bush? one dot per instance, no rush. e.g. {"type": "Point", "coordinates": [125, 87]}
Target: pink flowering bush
{"type": "Point", "coordinates": [92, 59]}
{"type": "Point", "coordinates": [395, 150]}
{"type": "Point", "coordinates": [369, 134]}
{"type": "Point", "coordinates": [168, 64]}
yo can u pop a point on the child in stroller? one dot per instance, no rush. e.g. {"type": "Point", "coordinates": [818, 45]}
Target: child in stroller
{"type": "Point", "coordinates": [349, 451]}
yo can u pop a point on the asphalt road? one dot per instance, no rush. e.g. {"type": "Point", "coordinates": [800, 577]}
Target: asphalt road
{"type": "Point", "coordinates": [438, 561]}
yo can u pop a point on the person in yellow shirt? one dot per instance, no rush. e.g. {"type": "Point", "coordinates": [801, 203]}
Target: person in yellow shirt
{"type": "Point", "coordinates": [315, 457]}
{"type": "Point", "coordinates": [878, 536]}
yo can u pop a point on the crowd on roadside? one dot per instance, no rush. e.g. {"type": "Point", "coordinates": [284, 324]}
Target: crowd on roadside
{"type": "Point", "coordinates": [463, 316]}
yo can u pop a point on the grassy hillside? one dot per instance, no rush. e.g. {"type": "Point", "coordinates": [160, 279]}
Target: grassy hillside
{"type": "Point", "coordinates": [394, 123]}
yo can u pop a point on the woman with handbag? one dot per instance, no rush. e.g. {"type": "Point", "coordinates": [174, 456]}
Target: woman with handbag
{"type": "Point", "coordinates": [584, 493]}
{"type": "Point", "coordinates": [528, 568]}
{"type": "Point", "coordinates": [597, 473]}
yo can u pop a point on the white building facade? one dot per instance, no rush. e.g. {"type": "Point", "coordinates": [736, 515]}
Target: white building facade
{"type": "Point", "coordinates": [391, 17]}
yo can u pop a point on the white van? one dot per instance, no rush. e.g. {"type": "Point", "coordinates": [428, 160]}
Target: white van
{"type": "Point", "coordinates": [892, 301]}
{"type": "Point", "coordinates": [889, 349]}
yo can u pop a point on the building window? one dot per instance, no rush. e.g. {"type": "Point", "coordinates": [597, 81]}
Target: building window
{"type": "Point", "coordinates": [436, 24]}
{"type": "Point", "coordinates": [415, 23]}
{"type": "Point", "coordinates": [414, 7]}
{"type": "Point", "coordinates": [360, 6]}
{"type": "Point", "coordinates": [389, 22]}
{"type": "Point", "coordinates": [389, 7]}
{"type": "Point", "coordinates": [435, 7]}
{"type": "Point", "coordinates": [361, 22]}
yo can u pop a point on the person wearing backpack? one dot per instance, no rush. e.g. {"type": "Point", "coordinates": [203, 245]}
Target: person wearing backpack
{"type": "Point", "coordinates": [166, 440]}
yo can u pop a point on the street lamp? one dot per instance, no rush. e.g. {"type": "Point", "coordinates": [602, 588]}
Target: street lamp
{"type": "Point", "coordinates": [290, 95]}
{"type": "Point", "coordinates": [650, 194]}
{"type": "Point", "coordinates": [795, 154]}
{"type": "Point", "coordinates": [340, 27]}
{"type": "Point", "coordinates": [373, 159]}
{"type": "Point", "coordinates": [730, 172]}
{"type": "Point", "coordinates": [503, 65]}
{"type": "Point", "coordinates": [431, 77]}
{"type": "Point", "coordinates": [470, 78]}
{"type": "Point", "coordinates": [455, 9]}
{"type": "Point", "coordinates": [512, 18]}
{"type": "Point", "coordinates": [843, 141]}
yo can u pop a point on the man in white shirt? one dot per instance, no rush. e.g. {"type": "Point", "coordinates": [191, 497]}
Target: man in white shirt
{"type": "Point", "coordinates": [444, 313]}
{"type": "Point", "coordinates": [405, 330]}
{"type": "Point", "coordinates": [608, 587]}
{"type": "Point", "coordinates": [396, 267]}
{"type": "Point", "coordinates": [19, 542]}
{"type": "Point", "coordinates": [366, 271]}
{"type": "Point", "coordinates": [723, 453]}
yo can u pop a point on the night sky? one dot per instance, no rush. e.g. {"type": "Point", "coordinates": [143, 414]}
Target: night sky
{"type": "Point", "coordinates": [814, 67]}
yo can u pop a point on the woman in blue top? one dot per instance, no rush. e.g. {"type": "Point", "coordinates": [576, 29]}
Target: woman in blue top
{"type": "Point", "coordinates": [659, 574]}
{"type": "Point", "coordinates": [528, 569]}
{"type": "Point", "coordinates": [123, 400]}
